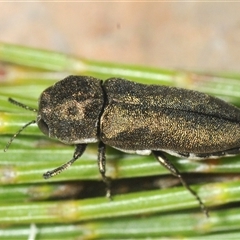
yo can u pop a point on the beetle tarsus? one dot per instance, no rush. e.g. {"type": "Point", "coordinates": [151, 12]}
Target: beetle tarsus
{"type": "Point", "coordinates": [80, 148]}
{"type": "Point", "coordinates": [168, 165]}
{"type": "Point", "coordinates": [102, 168]}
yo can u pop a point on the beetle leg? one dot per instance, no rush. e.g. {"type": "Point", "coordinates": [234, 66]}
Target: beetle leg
{"type": "Point", "coordinates": [102, 167]}
{"type": "Point", "coordinates": [168, 165]}
{"type": "Point", "coordinates": [79, 150]}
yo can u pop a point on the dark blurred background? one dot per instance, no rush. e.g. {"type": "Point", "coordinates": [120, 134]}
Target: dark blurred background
{"type": "Point", "coordinates": [198, 35]}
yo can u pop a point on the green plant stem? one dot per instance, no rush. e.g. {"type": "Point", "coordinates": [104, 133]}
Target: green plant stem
{"type": "Point", "coordinates": [212, 83]}
{"type": "Point", "coordinates": [141, 227]}
{"type": "Point", "coordinates": [153, 202]}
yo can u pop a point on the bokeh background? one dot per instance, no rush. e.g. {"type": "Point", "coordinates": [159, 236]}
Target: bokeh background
{"type": "Point", "coordinates": [197, 35]}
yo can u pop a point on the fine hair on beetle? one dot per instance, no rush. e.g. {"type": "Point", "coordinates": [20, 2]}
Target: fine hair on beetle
{"type": "Point", "coordinates": [136, 118]}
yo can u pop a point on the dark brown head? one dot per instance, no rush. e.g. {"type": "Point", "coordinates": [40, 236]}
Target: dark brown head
{"type": "Point", "coordinates": [70, 110]}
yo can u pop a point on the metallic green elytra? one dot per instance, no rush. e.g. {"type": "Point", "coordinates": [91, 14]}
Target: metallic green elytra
{"type": "Point", "coordinates": [137, 118]}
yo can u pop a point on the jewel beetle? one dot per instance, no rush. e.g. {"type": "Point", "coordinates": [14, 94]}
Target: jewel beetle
{"type": "Point", "coordinates": [136, 118]}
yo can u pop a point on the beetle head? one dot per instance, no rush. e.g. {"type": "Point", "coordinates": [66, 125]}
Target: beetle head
{"type": "Point", "coordinates": [70, 110]}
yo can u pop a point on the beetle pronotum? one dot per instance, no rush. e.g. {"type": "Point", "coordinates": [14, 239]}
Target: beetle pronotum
{"type": "Point", "coordinates": [136, 118]}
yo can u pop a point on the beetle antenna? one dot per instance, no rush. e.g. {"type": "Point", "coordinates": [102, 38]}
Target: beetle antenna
{"type": "Point", "coordinates": [15, 135]}
{"type": "Point", "coordinates": [11, 100]}
{"type": "Point", "coordinates": [23, 127]}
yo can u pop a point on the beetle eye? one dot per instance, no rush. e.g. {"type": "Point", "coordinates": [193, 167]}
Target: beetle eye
{"type": "Point", "coordinates": [43, 126]}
